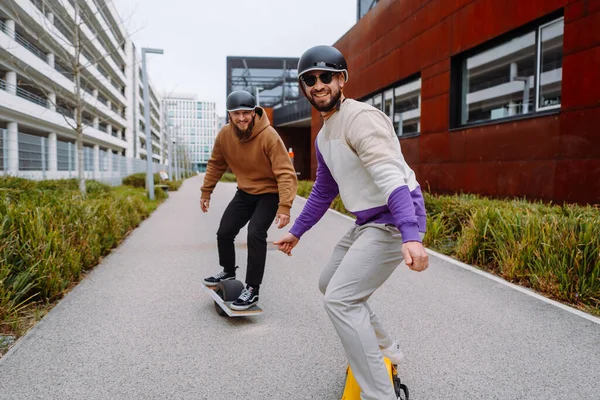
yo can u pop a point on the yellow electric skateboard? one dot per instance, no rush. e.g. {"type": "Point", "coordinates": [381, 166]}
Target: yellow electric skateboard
{"type": "Point", "coordinates": [352, 390]}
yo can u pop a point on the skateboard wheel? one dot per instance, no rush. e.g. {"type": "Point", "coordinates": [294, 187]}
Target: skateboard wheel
{"type": "Point", "coordinates": [228, 291]}
{"type": "Point", "coordinates": [400, 389]}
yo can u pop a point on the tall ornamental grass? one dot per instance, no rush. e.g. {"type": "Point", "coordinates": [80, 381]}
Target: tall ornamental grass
{"type": "Point", "coordinates": [554, 249]}
{"type": "Point", "coordinates": [50, 235]}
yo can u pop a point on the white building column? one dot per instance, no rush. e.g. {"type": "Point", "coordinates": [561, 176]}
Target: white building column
{"type": "Point", "coordinates": [52, 155]}
{"type": "Point", "coordinates": [95, 93]}
{"type": "Point", "coordinates": [50, 17]}
{"type": "Point", "coordinates": [109, 154]}
{"type": "Point", "coordinates": [96, 160]}
{"type": "Point", "coordinates": [109, 129]}
{"type": "Point", "coordinates": [11, 82]}
{"type": "Point", "coordinates": [514, 72]}
{"type": "Point", "coordinates": [52, 101]}
{"type": "Point", "coordinates": [95, 122]}
{"type": "Point", "coordinates": [13, 148]}
{"type": "Point", "coordinates": [10, 27]}
{"type": "Point", "coordinates": [50, 59]}
{"type": "Point", "coordinates": [119, 134]}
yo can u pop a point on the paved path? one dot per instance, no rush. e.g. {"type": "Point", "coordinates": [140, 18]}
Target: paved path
{"type": "Point", "coordinates": [140, 327]}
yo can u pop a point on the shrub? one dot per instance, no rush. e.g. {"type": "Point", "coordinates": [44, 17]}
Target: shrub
{"type": "Point", "coordinates": [50, 235]}
{"type": "Point", "coordinates": [160, 194]}
{"type": "Point", "coordinates": [173, 186]}
{"type": "Point", "coordinates": [228, 177]}
{"type": "Point", "coordinates": [139, 180]}
{"type": "Point", "coordinates": [551, 248]}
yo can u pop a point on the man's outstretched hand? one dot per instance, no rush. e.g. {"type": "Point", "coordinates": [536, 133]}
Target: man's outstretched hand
{"type": "Point", "coordinates": [204, 204]}
{"type": "Point", "coordinates": [287, 243]}
{"type": "Point", "coordinates": [415, 256]}
{"type": "Point", "coordinates": [282, 220]}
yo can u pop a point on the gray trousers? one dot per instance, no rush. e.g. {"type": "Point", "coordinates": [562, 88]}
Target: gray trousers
{"type": "Point", "coordinates": [361, 262]}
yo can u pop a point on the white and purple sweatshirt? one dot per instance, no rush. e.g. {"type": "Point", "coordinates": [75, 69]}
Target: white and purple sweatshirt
{"type": "Point", "coordinates": [359, 158]}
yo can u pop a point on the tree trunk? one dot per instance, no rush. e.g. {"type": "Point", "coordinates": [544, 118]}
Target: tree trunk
{"type": "Point", "coordinates": [78, 103]}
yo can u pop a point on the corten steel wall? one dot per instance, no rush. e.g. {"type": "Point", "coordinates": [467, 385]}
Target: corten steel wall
{"type": "Point", "coordinates": [554, 157]}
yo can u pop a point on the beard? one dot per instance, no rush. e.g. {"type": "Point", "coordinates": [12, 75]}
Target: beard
{"type": "Point", "coordinates": [330, 105]}
{"type": "Point", "coordinates": [243, 133]}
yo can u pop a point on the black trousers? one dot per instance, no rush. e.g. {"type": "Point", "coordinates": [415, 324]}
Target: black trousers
{"type": "Point", "coordinates": [260, 210]}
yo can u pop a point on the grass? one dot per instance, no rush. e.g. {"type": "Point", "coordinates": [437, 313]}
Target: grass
{"type": "Point", "coordinates": [552, 249]}
{"type": "Point", "coordinates": [228, 177]}
{"type": "Point", "coordinates": [50, 237]}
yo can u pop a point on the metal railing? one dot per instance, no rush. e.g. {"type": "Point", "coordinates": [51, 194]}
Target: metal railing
{"type": "Point", "coordinates": [34, 161]}
{"type": "Point", "coordinates": [20, 92]}
{"type": "Point", "coordinates": [295, 111]}
{"type": "Point", "coordinates": [64, 111]}
{"type": "Point", "coordinates": [64, 72]}
{"type": "Point", "coordinates": [23, 41]}
{"type": "Point", "coordinates": [33, 153]}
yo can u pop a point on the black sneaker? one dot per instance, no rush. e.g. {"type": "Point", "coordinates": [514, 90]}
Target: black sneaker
{"type": "Point", "coordinates": [247, 299]}
{"type": "Point", "coordinates": [221, 276]}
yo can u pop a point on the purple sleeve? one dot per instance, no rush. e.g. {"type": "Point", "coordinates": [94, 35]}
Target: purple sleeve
{"type": "Point", "coordinates": [402, 208]}
{"type": "Point", "coordinates": [323, 192]}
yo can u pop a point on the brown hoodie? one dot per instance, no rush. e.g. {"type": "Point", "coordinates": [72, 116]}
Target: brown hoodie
{"type": "Point", "coordinates": [260, 163]}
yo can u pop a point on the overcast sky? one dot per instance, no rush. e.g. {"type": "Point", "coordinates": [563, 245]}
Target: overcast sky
{"type": "Point", "coordinates": [198, 35]}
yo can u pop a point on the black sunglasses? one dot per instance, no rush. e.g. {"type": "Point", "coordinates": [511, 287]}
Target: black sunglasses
{"type": "Point", "coordinates": [325, 77]}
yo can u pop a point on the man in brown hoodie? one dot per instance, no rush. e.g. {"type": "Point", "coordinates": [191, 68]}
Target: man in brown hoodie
{"type": "Point", "coordinates": [267, 185]}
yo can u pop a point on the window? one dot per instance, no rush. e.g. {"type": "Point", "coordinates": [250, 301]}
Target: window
{"type": "Point", "coordinates": [363, 7]}
{"type": "Point", "coordinates": [402, 104]}
{"type": "Point", "coordinates": [550, 47]}
{"type": "Point", "coordinates": [519, 76]}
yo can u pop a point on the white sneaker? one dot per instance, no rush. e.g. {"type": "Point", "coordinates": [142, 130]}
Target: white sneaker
{"type": "Point", "coordinates": [394, 353]}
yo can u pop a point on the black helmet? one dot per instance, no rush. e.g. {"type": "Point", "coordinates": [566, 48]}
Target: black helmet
{"type": "Point", "coordinates": [322, 58]}
{"type": "Point", "coordinates": [240, 100]}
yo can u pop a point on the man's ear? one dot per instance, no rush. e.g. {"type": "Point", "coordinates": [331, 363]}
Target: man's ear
{"type": "Point", "coordinates": [342, 80]}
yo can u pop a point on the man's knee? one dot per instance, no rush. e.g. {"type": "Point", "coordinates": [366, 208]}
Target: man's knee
{"type": "Point", "coordinates": [332, 300]}
{"type": "Point", "coordinates": [256, 234]}
{"type": "Point", "coordinates": [224, 233]}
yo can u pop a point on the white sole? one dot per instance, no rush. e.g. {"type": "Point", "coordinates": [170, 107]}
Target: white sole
{"type": "Point", "coordinates": [242, 308]}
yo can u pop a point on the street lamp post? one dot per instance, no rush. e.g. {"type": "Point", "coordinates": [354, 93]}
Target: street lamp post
{"type": "Point", "coordinates": [149, 172]}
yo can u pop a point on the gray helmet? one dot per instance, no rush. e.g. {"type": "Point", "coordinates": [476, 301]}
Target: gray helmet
{"type": "Point", "coordinates": [240, 100]}
{"type": "Point", "coordinates": [322, 58]}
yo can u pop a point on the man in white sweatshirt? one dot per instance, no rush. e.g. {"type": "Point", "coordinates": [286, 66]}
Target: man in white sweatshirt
{"type": "Point", "coordinates": [359, 158]}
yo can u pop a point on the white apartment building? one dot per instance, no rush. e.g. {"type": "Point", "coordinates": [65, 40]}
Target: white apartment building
{"type": "Point", "coordinates": [193, 124]}
{"type": "Point", "coordinates": [37, 86]}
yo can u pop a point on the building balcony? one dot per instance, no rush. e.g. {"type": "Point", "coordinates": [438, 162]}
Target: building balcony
{"type": "Point", "coordinates": [293, 114]}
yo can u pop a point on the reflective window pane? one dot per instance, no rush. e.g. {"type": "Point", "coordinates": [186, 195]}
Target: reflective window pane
{"type": "Point", "coordinates": [388, 101]}
{"type": "Point", "coordinates": [407, 108]}
{"type": "Point", "coordinates": [551, 49]}
{"type": "Point", "coordinates": [499, 82]}
{"type": "Point", "coordinates": [377, 101]}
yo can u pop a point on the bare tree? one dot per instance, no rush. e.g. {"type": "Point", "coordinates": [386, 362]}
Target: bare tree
{"type": "Point", "coordinates": [75, 44]}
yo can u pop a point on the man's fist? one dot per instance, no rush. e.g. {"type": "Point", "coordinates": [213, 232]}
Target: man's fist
{"type": "Point", "coordinates": [415, 256]}
{"type": "Point", "coordinates": [204, 204]}
{"type": "Point", "coordinates": [282, 220]}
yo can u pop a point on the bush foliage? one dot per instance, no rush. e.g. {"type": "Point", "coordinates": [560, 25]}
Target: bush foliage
{"type": "Point", "coordinates": [50, 235]}
{"type": "Point", "coordinates": [553, 249]}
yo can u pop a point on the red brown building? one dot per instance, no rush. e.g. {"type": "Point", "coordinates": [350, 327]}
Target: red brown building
{"type": "Point", "coordinates": [496, 97]}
